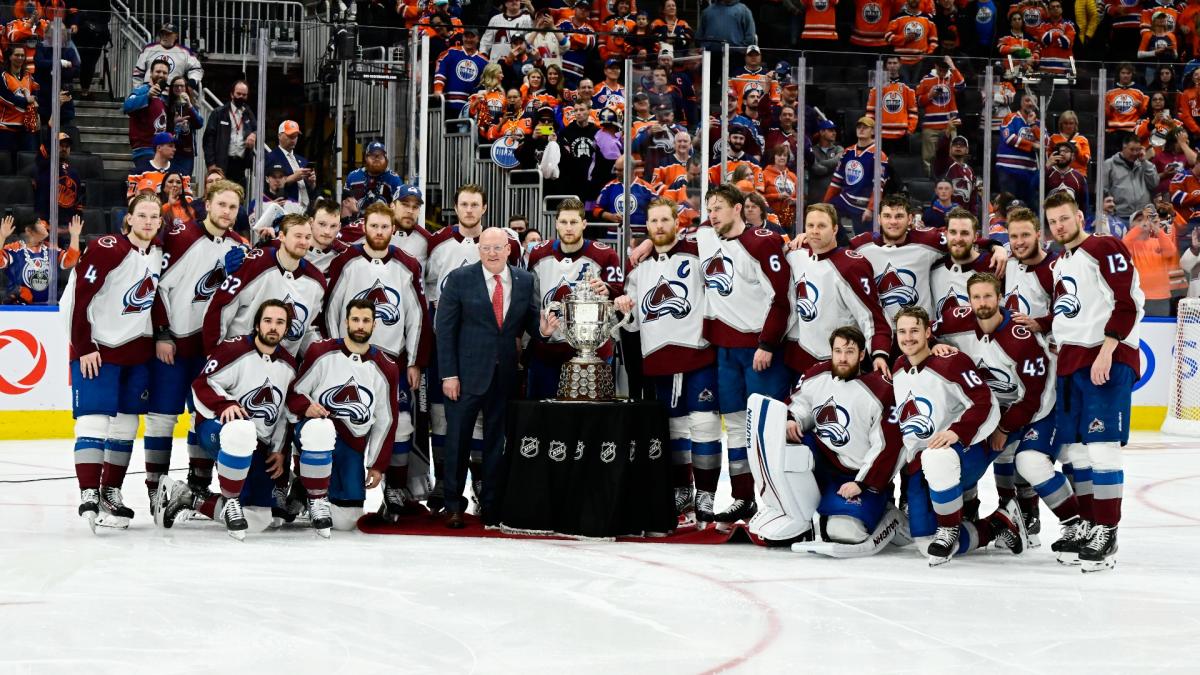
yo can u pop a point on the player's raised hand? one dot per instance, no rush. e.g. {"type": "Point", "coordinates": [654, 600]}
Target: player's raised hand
{"type": "Point", "coordinates": [641, 252]}
{"type": "Point", "coordinates": [797, 241]}
{"type": "Point", "coordinates": [89, 365]}
{"type": "Point", "coordinates": [233, 412]}
{"type": "Point", "coordinates": [999, 261]}
{"type": "Point", "coordinates": [943, 349]}
{"type": "Point", "coordinates": [623, 304]}
{"type": "Point", "coordinates": [316, 410]}
{"type": "Point", "coordinates": [943, 439]}
{"type": "Point", "coordinates": [1027, 321]}
{"type": "Point", "coordinates": [598, 287]}
{"type": "Point", "coordinates": [882, 367]}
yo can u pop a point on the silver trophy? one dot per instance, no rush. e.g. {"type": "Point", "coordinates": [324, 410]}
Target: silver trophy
{"type": "Point", "coordinates": [588, 320]}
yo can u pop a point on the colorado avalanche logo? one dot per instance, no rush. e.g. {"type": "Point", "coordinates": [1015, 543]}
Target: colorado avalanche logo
{"type": "Point", "coordinates": [806, 299]}
{"type": "Point", "coordinates": [718, 273]}
{"type": "Point", "coordinates": [893, 102]}
{"type": "Point", "coordinates": [1014, 302]}
{"type": "Point", "coordinates": [897, 286]}
{"type": "Point", "coordinates": [833, 422]}
{"type": "Point", "coordinates": [950, 302]}
{"type": "Point", "coordinates": [563, 288]}
{"type": "Point", "coordinates": [442, 283]}
{"type": "Point", "coordinates": [854, 172]}
{"type": "Point", "coordinates": [350, 401]}
{"type": "Point", "coordinates": [997, 380]}
{"type": "Point", "coordinates": [299, 318]}
{"type": "Point", "coordinates": [916, 417]}
{"type": "Point", "coordinates": [387, 302]}
{"type": "Point", "coordinates": [140, 296]}
{"type": "Point", "coordinates": [466, 70]}
{"type": "Point", "coordinates": [209, 283]}
{"type": "Point", "coordinates": [263, 403]}
{"type": "Point", "coordinates": [667, 298]}
{"type": "Point", "coordinates": [1066, 302]}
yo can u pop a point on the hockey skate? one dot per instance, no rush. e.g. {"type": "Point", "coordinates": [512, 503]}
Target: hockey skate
{"type": "Point", "coordinates": [398, 502]}
{"type": "Point", "coordinates": [740, 509]}
{"type": "Point", "coordinates": [89, 506]}
{"type": "Point", "coordinates": [234, 519]}
{"type": "Point", "coordinates": [1033, 525]}
{"type": "Point", "coordinates": [685, 507]}
{"type": "Point", "coordinates": [200, 494]}
{"type": "Point", "coordinates": [704, 508]}
{"type": "Point", "coordinates": [1074, 535]}
{"type": "Point", "coordinates": [437, 501]}
{"type": "Point", "coordinates": [1099, 553]}
{"type": "Point", "coordinates": [944, 545]}
{"type": "Point", "coordinates": [170, 501]}
{"type": "Point", "coordinates": [1013, 535]}
{"type": "Point", "coordinates": [113, 512]}
{"type": "Point", "coordinates": [322, 519]}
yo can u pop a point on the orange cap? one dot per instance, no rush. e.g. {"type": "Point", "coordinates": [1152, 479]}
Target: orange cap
{"type": "Point", "coordinates": [289, 128]}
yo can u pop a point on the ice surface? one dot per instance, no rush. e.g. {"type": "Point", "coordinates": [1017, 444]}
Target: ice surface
{"type": "Point", "coordinates": [193, 600]}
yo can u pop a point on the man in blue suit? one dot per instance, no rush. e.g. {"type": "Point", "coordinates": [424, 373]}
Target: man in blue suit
{"type": "Point", "coordinates": [300, 185]}
{"type": "Point", "coordinates": [484, 309]}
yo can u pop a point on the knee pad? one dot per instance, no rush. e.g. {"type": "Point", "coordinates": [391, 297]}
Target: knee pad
{"type": "Point", "coordinates": [705, 427]}
{"type": "Point", "coordinates": [239, 438]}
{"type": "Point", "coordinates": [345, 518]}
{"type": "Point", "coordinates": [784, 483]}
{"type": "Point", "coordinates": [92, 426]}
{"type": "Point", "coordinates": [1105, 456]}
{"type": "Point", "coordinates": [318, 435]}
{"type": "Point", "coordinates": [846, 530]}
{"type": "Point", "coordinates": [679, 427]}
{"type": "Point", "coordinates": [1077, 454]}
{"type": "Point", "coordinates": [437, 419]}
{"type": "Point", "coordinates": [404, 425]}
{"type": "Point", "coordinates": [123, 427]}
{"type": "Point", "coordinates": [159, 425]}
{"type": "Point", "coordinates": [942, 468]}
{"type": "Point", "coordinates": [1035, 467]}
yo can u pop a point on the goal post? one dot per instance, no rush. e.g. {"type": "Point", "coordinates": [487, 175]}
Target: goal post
{"type": "Point", "coordinates": [1183, 402]}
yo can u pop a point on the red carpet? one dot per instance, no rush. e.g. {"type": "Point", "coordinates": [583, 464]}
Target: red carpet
{"type": "Point", "coordinates": [434, 526]}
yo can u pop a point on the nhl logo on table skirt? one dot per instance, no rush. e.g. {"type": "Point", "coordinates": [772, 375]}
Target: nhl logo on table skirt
{"type": "Point", "coordinates": [557, 451]}
{"type": "Point", "coordinates": [504, 152]}
{"type": "Point", "coordinates": [579, 448]}
{"type": "Point", "coordinates": [632, 450]}
{"type": "Point", "coordinates": [655, 448]}
{"type": "Point", "coordinates": [608, 452]}
{"type": "Point", "coordinates": [529, 447]}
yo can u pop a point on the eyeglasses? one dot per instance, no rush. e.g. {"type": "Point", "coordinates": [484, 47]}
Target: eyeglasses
{"type": "Point", "coordinates": [491, 248]}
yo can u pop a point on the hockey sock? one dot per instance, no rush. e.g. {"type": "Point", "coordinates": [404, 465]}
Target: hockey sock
{"type": "Point", "coordinates": [239, 438]}
{"type": "Point", "coordinates": [396, 476]}
{"type": "Point", "coordinates": [200, 468]}
{"type": "Point", "coordinates": [681, 452]}
{"type": "Point", "coordinates": [211, 506]}
{"type": "Point", "coordinates": [437, 437]}
{"type": "Point", "coordinates": [740, 479]}
{"type": "Point", "coordinates": [706, 449]}
{"type": "Point", "coordinates": [976, 534]}
{"type": "Point", "coordinates": [681, 475]}
{"type": "Point", "coordinates": [159, 430]}
{"type": "Point", "coordinates": [1005, 474]}
{"type": "Point", "coordinates": [90, 431]}
{"type": "Point", "coordinates": [317, 439]}
{"type": "Point", "coordinates": [1108, 482]}
{"type": "Point", "coordinates": [118, 448]}
{"type": "Point", "coordinates": [1081, 473]}
{"type": "Point", "coordinates": [1050, 485]}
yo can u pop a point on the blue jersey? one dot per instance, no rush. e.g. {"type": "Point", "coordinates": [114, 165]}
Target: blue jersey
{"type": "Point", "coordinates": [457, 77]}
{"type": "Point", "coordinates": [853, 182]}
{"type": "Point", "coordinates": [638, 200]}
{"type": "Point", "coordinates": [367, 189]}
{"type": "Point", "coordinates": [1018, 144]}
{"type": "Point", "coordinates": [985, 22]}
{"type": "Point", "coordinates": [29, 271]}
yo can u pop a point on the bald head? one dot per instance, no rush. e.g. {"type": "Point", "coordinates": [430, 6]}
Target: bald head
{"type": "Point", "coordinates": [493, 249]}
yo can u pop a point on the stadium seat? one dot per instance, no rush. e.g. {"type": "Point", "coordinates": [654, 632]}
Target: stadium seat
{"type": "Point", "coordinates": [106, 193]}
{"type": "Point", "coordinates": [16, 190]}
{"type": "Point", "coordinates": [908, 167]}
{"type": "Point", "coordinates": [842, 98]}
{"type": "Point", "coordinates": [25, 159]}
{"type": "Point", "coordinates": [116, 216]}
{"type": "Point", "coordinates": [87, 165]}
{"type": "Point", "coordinates": [920, 190]}
{"type": "Point", "coordinates": [6, 166]}
{"type": "Point", "coordinates": [95, 221]}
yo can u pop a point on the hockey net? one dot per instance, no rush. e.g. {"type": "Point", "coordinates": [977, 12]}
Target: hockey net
{"type": "Point", "coordinates": [1183, 404]}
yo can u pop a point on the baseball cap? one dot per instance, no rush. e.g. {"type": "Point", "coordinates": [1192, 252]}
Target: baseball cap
{"type": "Point", "coordinates": [666, 50]}
{"type": "Point", "coordinates": [276, 168]}
{"type": "Point", "coordinates": [167, 28]}
{"type": "Point", "coordinates": [865, 121]}
{"type": "Point", "coordinates": [162, 138]}
{"type": "Point", "coordinates": [961, 140]}
{"type": "Point", "coordinates": [753, 49]}
{"type": "Point", "coordinates": [1065, 144]}
{"type": "Point", "coordinates": [1016, 204]}
{"type": "Point", "coordinates": [289, 128]}
{"type": "Point", "coordinates": [468, 30]}
{"type": "Point", "coordinates": [376, 146]}
{"type": "Point", "coordinates": [825, 124]}
{"type": "Point", "coordinates": [516, 37]}
{"type": "Point", "coordinates": [407, 191]}
{"type": "Point", "coordinates": [663, 108]}
{"type": "Point", "coordinates": [146, 184]}
{"type": "Point", "coordinates": [611, 63]}
{"type": "Point", "coordinates": [641, 96]}
{"type": "Point", "coordinates": [64, 136]}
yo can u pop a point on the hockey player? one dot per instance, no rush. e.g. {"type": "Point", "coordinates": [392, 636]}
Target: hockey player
{"type": "Point", "coordinates": [844, 469]}
{"type": "Point", "coordinates": [344, 402]}
{"type": "Point", "coordinates": [326, 223]}
{"type": "Point", "coordinates": [391, 279]}
{"type": "Point", "coordinates": [664, 296]}
{"type": "Point", "coordinates": [197, 259]}
{"type": "Point", "coordinates": [457, 73]}
{"type": "Point", "coordinates": [557, 266]}
{"type": "Point", "coordinates": [1029, 279]}
{"type": "Point", "coordinates": [948, 278]}
{"type": "Point", "coordinates": [410, 236]}
{"type": "Point", "coordinates": [946, 413]}
{"type": "Point", "coordinates": [281, 273]}
{"type": "Point", "coordinates": [831, 287]}
{"type": "Point", "coordinates": [107, 302]}
{"type": "Point", "coordinates": [1098, 304]}
{"type": "Point", "coordinates": [239, 400]}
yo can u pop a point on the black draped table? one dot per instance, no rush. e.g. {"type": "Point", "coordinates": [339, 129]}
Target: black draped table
{"type": "Point", "coordinates": [588, 469]}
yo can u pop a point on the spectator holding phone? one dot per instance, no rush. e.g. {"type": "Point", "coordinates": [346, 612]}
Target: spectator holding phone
{"type": "Point", "coordinates": [1152, 245]}
{"type": "Point", "coordinates": [300, 184]}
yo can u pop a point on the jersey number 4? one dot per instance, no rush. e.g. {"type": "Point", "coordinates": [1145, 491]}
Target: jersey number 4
{"type": "Point", "coordinates": [90, 275]}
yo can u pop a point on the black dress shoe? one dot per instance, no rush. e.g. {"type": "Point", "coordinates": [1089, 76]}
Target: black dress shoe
{"type": "Point", "coordinates": [455, 521]}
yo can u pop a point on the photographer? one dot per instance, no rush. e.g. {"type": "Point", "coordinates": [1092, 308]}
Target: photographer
{"type": "Point", "coordinates": [183, 120]}
{"type": "Point", "coordinates": [1152, 245]}
{"type": "Point", "coordinates": [146, 107]}
{"type": "Point", "coordinates": [1130, 176]}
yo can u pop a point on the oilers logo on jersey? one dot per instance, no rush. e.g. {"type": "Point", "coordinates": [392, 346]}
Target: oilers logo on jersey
{"type": "Point", "coordinates": [854, 172]}
{"type": "Point", "coordinates": [1066, 302]}
{"type": "Point", "coordinates": [350, 401]}
{"type": "Point", "coordinates": [1123, 103]}
{"type": "Point", "coordinates": [832, 423]}
{"type": "Point", "coordinates": [387, 302]}
{"type": "Point", "coordinates": [466, 70]}
{"type": "Point", "coordinates": [915, 416]}
{"type": "Point", "coordinates": [940, 94]}
{"type": "Point", "coordinates": [667, 298]}
{"type": "Point", "coordinates": [718, 273]}
{"type": "Point", "coordinates": [893, 102]}
{"type": "Point", "coordinates": [806, 299]}
{"type": "Point", "coordinates": [997, 380]}
{"type": "Point", "coordinates": [914, 30]}
{"type": "Point", "coordinates": [897, 286]}
{"type": "Point", "coordinates": [140, 296]}
{"type": "Point", "coordinates": [872, 12]}
{"type": "Point", "coordinates": [209, 283]}
{"type": "Point", "coordinates": [36, 274]}
{"type": "Point", "coordinates": [263, 403]}
{"type": "Point", "coordinates": [299, 318]}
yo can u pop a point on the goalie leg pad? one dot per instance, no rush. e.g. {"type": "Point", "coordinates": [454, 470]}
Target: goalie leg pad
{"type": "Point", "coordinates": [785, 487]}
{"type": "Point", "coordinates": [892, 529]}
{"type": "Point", "coordinates": [866, 510]}
{"type": "Point", "coordinates": [846, 530]}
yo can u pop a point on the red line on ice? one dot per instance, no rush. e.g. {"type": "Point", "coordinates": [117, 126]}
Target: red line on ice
{"type": "Point", "coordinates": [1145, 489]}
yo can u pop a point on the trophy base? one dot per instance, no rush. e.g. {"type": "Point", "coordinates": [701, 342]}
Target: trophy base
{"type": "Point", "coordinates": [586, 380]}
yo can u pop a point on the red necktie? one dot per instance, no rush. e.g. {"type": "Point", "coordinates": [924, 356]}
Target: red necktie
{"type": "Point", "coordinates": [498, 301]}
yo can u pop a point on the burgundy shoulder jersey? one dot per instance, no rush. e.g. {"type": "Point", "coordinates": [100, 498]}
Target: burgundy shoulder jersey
{"type": "Point", "coordinates": [108, 301]}
{"type": "Point", "coordinates": [193, 270]}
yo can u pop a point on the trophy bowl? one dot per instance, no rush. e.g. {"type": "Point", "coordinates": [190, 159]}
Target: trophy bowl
{"type": "Point", "coordinates": [587, 323]}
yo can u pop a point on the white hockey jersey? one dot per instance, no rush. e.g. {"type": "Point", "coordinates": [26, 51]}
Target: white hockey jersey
{"type": "Point", "coordinates": [668, 296]}
{"type": "Point", "coordinates": [948, 282]}
{"type": "Point", "coordinates": [360, 393]}
{"type": "Point", "coordinates": [450, 250]}
{"type": "Point", "coordinates": [108, 299]}
{"type": "Point", "coordinates": [321, 259]}
{"type": "Point", "coordinates": [943, 392]}
{"type": "Point", "coordinates": [261, 277]}
{"type": "Point", "coordinates": [414, 242]}
{"type": "Point", "coordinates": [193, 270]}
{"type": "Point", "coordinates": [1013, 361]}
{"type": "Point", "coordinates": [183, 62]}
{"type": "Point", "coordinates": [746, 288]}
{"type": "Point", "coordinates": [555, 274]}
{"type": "Point", "coordinates": [238, 374]}
{"type": "Point", "coordinates": [393, 283]}
{"type": "Point", "coordinates": [853, 423]}
{"type": "Point", "coordinates": [1028, 289]}
{"type": "Point", "coordinates": [902, 272]}
{"type": "Point", "coordinates": [828, 291]}
{"type": "Point", "coordinates": [1097, 293]}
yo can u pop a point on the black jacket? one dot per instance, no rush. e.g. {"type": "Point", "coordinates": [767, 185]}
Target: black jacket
{"type": "Point", "coordinates": [217, 131]}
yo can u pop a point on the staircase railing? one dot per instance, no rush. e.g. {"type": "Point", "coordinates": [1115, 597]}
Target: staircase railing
{"type": "Point", "coordinates": [225, 30]}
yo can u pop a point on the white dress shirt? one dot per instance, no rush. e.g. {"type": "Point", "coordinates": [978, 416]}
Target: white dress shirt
{"type": "Point", "coordinates": [294, 166]}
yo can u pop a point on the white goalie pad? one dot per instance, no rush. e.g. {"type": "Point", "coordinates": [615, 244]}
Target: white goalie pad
{"type": "Point", "coordinates": [892, 529]}
{"type": "Point", "coordinates": [784, 485]}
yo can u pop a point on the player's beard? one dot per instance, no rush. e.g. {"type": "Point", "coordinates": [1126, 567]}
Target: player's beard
{"type": "Point", "coordinates": [378, 243]}
{"type": "Point", "coordinates": [844, 373]}
{"type": "Point", "coordinates": [570, 240]}
{"type": "Point", "coordinates": [986, 312]}
{"type": "Point", "coordinates": [406, 224]}
{"type": "Point", "coordinates": [662, 238]}
{"type": "Point", "coordinates": [271, 338]}
{"type": "Point", "coordinates": [959, 251]}
{"type": "Point", "coordinates": [360, 337]}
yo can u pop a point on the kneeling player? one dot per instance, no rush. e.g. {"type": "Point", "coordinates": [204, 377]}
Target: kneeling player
{"type": "Point", "coordinates": [946, 412]}
{"type": "Point", "coordinates": [845, 468]}
{"type": "Point", "coordinates": [345, 402]}
{"type": "Point", "coordinates": [239, 399]}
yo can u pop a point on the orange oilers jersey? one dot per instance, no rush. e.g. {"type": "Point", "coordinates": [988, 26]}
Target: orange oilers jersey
{"type": "Point", "coordinates": [1148, 18]}
{"type": "Point", "coordinates": [871, 19]}
{"type": "Point", "coordinates": [1011, 43]}
{"type": "Point", "coordinates": [614, 45]}
{"type": "Point", "coordinates": [714, 173]}
{"type": "Point", "coordinates": [912, 36]}
{"type": "Point", "coordinates": [899, 109]}
{"type": "Point", "coordinates": [1124, 106]}
{"type": "Point", "coordinates": [1145, 127]}
{"type": "Point", "coordinates": [13, 102]}
{"type": "Point", "coordinates": [1185, 194]}
{"type": "Point", "coordinates": [665, 176]}
{"type": "Point", "coordinates": [1152, 42]}
{"type": "Point", "coordinates": [605, 8]}
{"type": "Point", "coordinates": [1033, 14]}
{"type": "Point", "coordinates": [938, 97]}
{"type": "Point", "coordinates": [745, 82]}
{"type": "Point", "coordinates": [1187, 109]}
{"type": "Point", "coordinates": [820, 20]}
